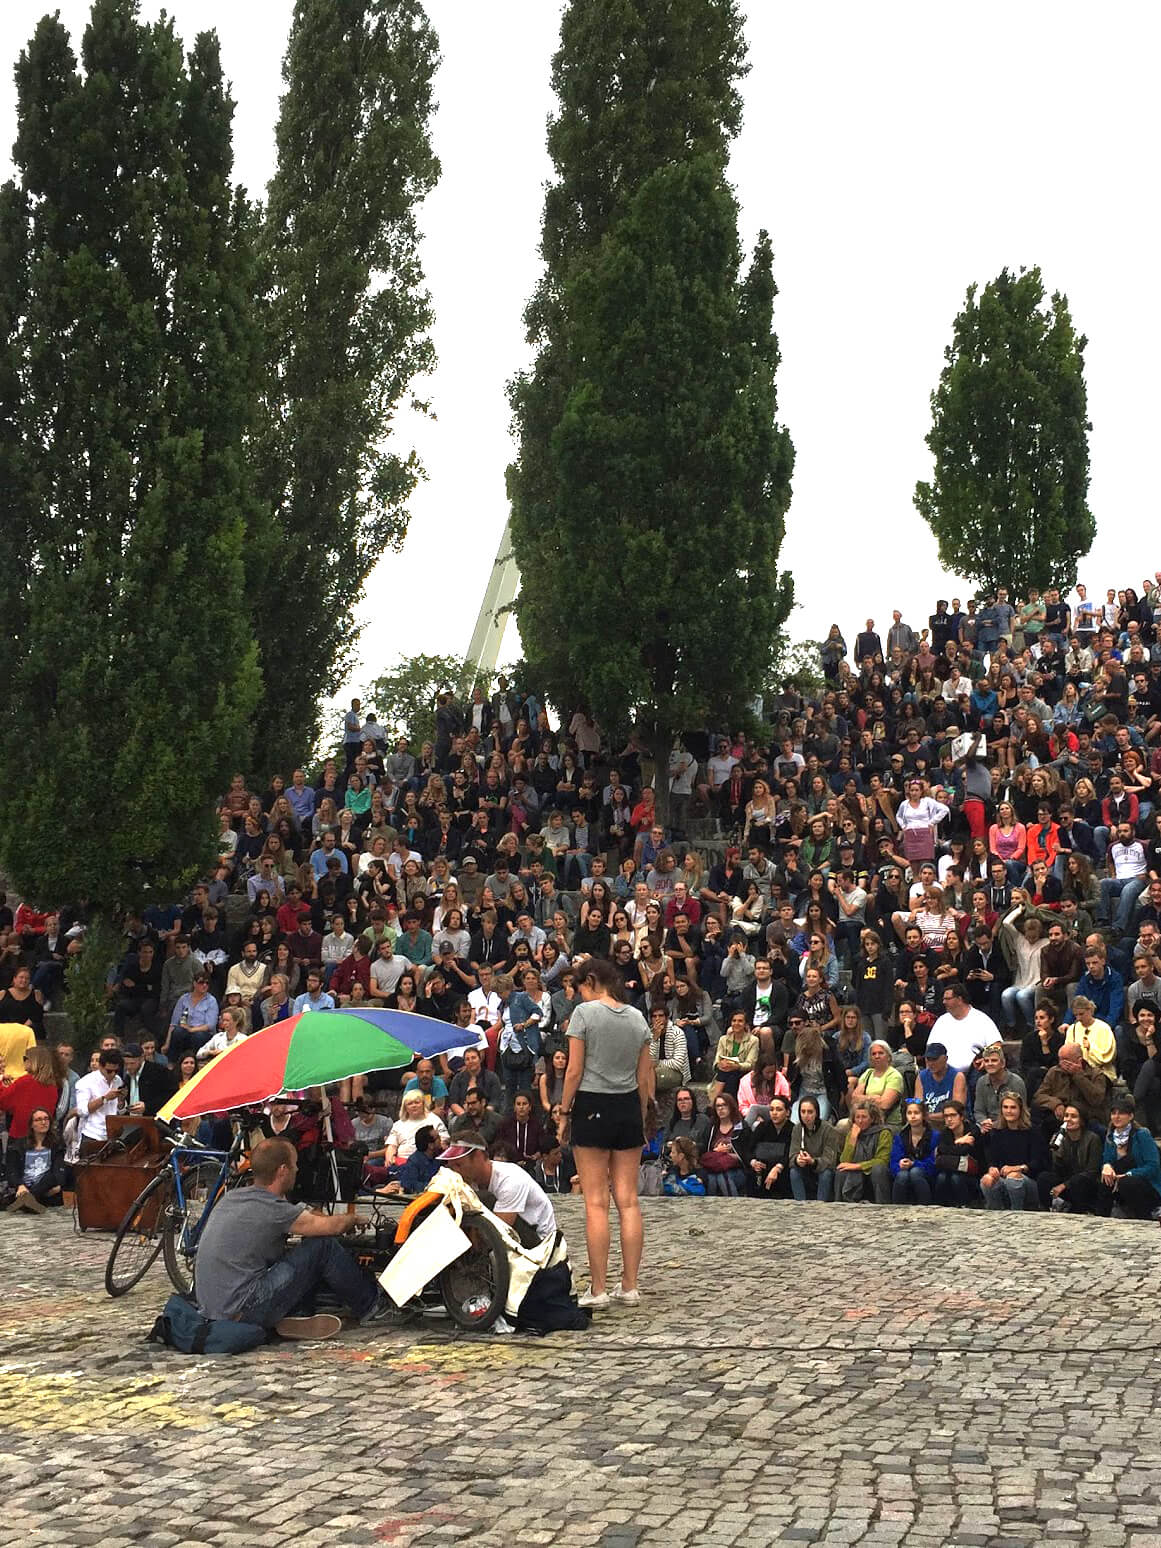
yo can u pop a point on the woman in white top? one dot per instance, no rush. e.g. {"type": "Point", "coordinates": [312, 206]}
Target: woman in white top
{"type": "Point", "coordinates": [413, 1116]}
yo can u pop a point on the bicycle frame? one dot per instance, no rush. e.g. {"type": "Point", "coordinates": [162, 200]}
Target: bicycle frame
{"type": "Point", "coordinates": [191, 1235]}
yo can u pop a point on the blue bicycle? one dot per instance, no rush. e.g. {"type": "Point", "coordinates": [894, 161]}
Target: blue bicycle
{"type": "Point", "coordinates": [169, 1215]}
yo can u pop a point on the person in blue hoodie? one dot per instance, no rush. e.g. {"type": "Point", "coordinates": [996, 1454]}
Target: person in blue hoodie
{"type": "Point", "coordinates": [1131, 1169]}
{"type": "Point", "coordinates": [913, 1157]}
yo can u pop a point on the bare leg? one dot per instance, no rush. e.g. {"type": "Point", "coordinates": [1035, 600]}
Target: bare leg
{"type": "Point", "coordinates": [625, 1165]}
{"type": "Point", "coordinates": [593, 1169]}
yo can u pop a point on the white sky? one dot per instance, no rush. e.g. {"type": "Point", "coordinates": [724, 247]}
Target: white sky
{"type": "Point", "coordinates": [895, 153]}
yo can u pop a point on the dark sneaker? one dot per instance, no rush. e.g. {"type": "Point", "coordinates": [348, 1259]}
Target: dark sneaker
{"type": "Point", "coordinates": [384, 1310]}
{"type": "Point", "coordinates": [320, 1326]}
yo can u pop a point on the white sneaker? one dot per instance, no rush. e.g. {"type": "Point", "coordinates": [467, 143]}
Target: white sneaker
{"type": "Point", "coordinates": [626, 1297]}
{"type": "Point", "coordinates": [593, 1302]}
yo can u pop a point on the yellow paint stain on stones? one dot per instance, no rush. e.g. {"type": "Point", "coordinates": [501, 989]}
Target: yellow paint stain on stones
{"type": "Point", "coordinates": [37, 1400]}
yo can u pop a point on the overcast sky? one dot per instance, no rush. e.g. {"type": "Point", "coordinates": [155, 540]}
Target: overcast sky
{"type": "Point", "coordinates": [896, 153]}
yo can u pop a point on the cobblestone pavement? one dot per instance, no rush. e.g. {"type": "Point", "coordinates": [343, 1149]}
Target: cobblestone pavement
{"type": "Point", "coordinates": [794, 1374]}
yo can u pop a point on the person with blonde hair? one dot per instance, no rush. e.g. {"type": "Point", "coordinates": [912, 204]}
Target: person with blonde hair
{"type": "Point", "coordinates": [864, 1172]}
{"type": "Point", "coordinates": [1015, 1154]}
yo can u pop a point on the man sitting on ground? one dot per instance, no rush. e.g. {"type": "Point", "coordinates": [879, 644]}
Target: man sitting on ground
{"type": "Point", "coordinates": [246, 1273]}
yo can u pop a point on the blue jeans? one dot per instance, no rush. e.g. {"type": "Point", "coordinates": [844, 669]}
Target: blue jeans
{"type": "Point", "coordinates": [911, 1187]}
{"type": "Point", "coordinates": [801, 1183]}
{"type": "Point", "coordinates": [515, 1080]}
{"type": "Point", "coordinates": [1127, 889]}
{"type": "Point", "coordinates": [288, 1286]}
{"type": "Point", "coordinates": [1012, 1193]}
{"type": "Point", "coordinates": [1018, 1002]}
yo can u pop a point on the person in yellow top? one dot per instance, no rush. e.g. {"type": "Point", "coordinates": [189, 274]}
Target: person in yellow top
{"type": "Point", "coordinates": [1095, 1037]}
{"type": "Point", "coordinates": [15, 1041]}
{"type": "Point", "coordinates": [736, 1055]}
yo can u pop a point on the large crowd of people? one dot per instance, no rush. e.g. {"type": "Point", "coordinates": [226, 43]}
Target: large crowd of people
{"type": "Point", "coordinates": [900, 947]}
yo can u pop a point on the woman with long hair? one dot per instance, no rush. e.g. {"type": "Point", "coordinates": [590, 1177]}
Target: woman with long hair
{"type": "Point", "coordinates": [607, 1091]}
{"type": "Point", "coordinates": [913, 1157]}
{"type": "Point", "coordinates": [39, 1086]}
{"type": "Point", "coordinates": [721, 1161]}
{"type": "Point", "coordinates": [1015, 1154]}
{"type": "Point", "coordinates": [34, 1168]}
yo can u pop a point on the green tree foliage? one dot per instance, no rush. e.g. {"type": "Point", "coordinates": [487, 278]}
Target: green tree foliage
{"type": "Point", "coordinates": [649, 495]}
{"type": "Point", "coordinates": [404, 697]}
{"type": "Point", "coordinates": [346, 321]}
{"type": "Point", "coordinates": [1009, 500]}
{"type": "Point", "coordinates": [125, 357]}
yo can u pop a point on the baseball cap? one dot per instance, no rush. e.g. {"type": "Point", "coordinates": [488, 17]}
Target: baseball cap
{"type": "Point", "coordinates": [935, 1051]}
{"type": "Point", "coordinates": [457, 1151]}
{"type": "Point", "coordinates": [469, 860]}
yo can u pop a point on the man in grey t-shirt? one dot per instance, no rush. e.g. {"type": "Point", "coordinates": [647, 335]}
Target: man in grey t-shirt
{"type": "Point", "coordinates": [246, 1272]}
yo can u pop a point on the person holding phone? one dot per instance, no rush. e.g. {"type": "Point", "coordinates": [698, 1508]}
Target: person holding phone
{"type": "Point", "coordinates": [98, 1098]}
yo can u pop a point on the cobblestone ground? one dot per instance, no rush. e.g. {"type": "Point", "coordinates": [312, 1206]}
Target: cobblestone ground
{"type": "Point", "coordinates": [793, 1375]}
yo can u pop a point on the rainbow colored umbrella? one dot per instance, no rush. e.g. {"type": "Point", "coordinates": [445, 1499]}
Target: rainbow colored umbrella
{"type": "Point", "coordinates": [313, 1048]}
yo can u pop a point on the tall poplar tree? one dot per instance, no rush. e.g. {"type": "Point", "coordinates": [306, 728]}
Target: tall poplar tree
{"type": "Point", "coordinates": [1008, 502]}
{"type": "Point", "coordinates": [346, 320]}
{"type": "Point", "coordinates": [126, 353]}
{"type": "Point", "coordinates": [651, 485]}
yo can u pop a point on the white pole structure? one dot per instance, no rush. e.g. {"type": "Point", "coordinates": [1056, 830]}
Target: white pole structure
{"type": "Point", "coordinates": [488, 635]}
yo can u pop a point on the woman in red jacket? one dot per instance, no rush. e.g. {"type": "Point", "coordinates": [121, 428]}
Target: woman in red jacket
{"type": "Point", "coordinates": [37, 1087]}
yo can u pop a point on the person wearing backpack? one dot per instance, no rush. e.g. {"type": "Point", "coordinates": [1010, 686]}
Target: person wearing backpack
{"type": "Point", "coordinates": [246, 1273]}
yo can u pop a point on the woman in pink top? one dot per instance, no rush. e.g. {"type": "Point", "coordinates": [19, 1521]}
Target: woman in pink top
{"type": "Point", "coordinates": [756, 1089]}
{"type": "Point", "coordinates": [1008, 841]}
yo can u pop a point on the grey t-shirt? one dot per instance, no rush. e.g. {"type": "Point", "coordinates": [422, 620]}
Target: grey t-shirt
{"type": "Point", "coordinates": [613, 1039]}
{"type": "Point", "coordinates": [245, 1234]}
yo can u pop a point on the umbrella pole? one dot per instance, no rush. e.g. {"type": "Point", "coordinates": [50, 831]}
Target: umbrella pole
{"type": "Point", "coordinates": [328, 1130]}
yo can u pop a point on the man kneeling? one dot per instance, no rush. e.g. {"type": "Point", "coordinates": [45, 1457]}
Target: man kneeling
{"type": "Point", "coordinates": [246, 1272]}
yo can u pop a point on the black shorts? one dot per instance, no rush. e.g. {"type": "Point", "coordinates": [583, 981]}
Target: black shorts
{"type": "Point", "coordinates": [607, 1121]}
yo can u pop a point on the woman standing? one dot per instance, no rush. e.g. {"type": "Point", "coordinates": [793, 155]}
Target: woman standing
{"type": "Point", "coordinates": [607, 1090]}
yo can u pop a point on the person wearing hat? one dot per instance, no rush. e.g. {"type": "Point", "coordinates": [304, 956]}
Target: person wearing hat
{"type": "Point", "coordinates": [1130, 1166]}
{"type": "Point", "coordinates": [937, 1083]}
{"type": "Point", "coordinates": [471, 880]}
{"type": "Point", "coordinates": [519, 1200]}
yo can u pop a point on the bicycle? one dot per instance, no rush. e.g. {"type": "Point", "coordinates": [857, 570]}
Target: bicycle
{"type": "Point", "coordinates": [169, 1215]}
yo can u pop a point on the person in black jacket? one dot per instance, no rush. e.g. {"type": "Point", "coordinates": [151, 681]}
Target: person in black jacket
{"type": "Point", "coordinates": [148, 1085]}
{"type": "Point", "coordinates": [765, 1152]}
{"type": "Point", "coordinates": [34, 1167]}
{"type": "Point", "coordinates": [138, 993]}
{"type": "Point", "coordinates": [1073, 1181]}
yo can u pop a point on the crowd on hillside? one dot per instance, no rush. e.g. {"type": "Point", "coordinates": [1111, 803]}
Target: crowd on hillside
{"type": "Point", "coordinates": [924, 969]}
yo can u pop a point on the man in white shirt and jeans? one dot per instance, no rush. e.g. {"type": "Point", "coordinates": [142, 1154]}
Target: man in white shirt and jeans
{"type": "Point", "coordinates": [96, 1099]}
{"type": "Point", "coordinates": [1128, 878]}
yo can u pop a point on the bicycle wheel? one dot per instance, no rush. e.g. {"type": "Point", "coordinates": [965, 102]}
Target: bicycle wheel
{"type": "Point", "coordinates": [475, 1287]}
{"type": "Point", "coordinates": [138, 1239]}
{"type": "Point", "coordinates": [179, 1243]}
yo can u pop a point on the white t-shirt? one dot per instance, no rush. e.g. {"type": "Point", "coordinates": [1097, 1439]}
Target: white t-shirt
{"type": "Point", "coordinates": [964, 1038]}
{"type": "Point", "coordinates": [387, 971]}
{"type": "Point", "coordinates": [518, 1193]}
{"type": "Point", "coordinates": [719, 769]}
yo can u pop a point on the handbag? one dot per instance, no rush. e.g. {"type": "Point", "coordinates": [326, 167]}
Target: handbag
{"type": "Point", "coordinates": [720, 1161]}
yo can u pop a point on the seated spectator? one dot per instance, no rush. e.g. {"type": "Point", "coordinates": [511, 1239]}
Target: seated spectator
{"type": "Point", "coordinates": [757, 1088]}
{"type": "Point", "coordinates": [555, 1170]}
{"type": "Point", "coordinates": [34, 1169]}
{"type": "Point", "coordinates": [814, 1153]}
{"type": "Point", "coordinates": [721, 1161]}
{"type": "Point", "coordinates": [1015, 1156]}
{"type": "Point", "coordinates": [959, 1158]}
{"type": "Point", "coordinates": [521, 1132]}
{"type": "Point", "coordinates": [1040, 1048]}
{"type": "Point", "coordinates": [735, 1056]}
{"type": "Point", "coordinates": [1071, 1083]}
{"type": "Point", "coordinates": [681, 1178]}
{"type": "Point", "coordinates": [38, 1087]}
{"type": "Point", "coordinates": [476, 1117]}
{"type": "Point", "coordinates": [1131, 1168]}
{"type": "Point", "coordinates": [1147, 1088]}
{"type": "Point", "coordinates": [1094, 1037]}
{"type": "Point", "coordinates": [912, 1160]}
{"type": "Point", "coordinates": [863, 1170]}
{"type": "Point", "coordinates": [687, 1122]}
{"type": "Point", "coordinates": [765, 1150]}
{"type": "Point", "coordinates": [1072, 1182]}
{"type": "Point", "coordinates": [815, 1070]}
{"type": "Point", "coordinates": [431, 1087]}
{"type": "Point", "coordinates": [996, 1082]}
{"type": "Point", "coordinates": [416, 1172]}
{"type": "Point", "coordinates": [882, 1082]}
